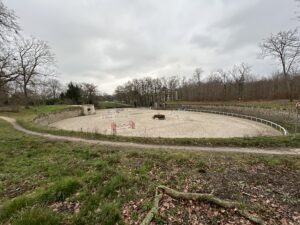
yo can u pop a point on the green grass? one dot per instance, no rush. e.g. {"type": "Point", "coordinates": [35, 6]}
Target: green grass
{"type": "Point", "coordinates": [52, 193]}
{"type": "Point", "coordinates": [111, 104]}
{"type": "Point", "coordinates": [37, 216]}
{"type": "Point", "coordinates": [32, 112]}
{"type": "Point", "coordinates": [38, 176]}
{"type": "Point", "coordinates": [271, 104]}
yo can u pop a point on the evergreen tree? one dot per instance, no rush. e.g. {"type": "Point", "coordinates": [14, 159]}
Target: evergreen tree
{"type": "Point", "coordinates": [74, 93]}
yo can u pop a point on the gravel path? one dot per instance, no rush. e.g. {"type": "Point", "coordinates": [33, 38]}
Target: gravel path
{"type": "Point", "coordinates": [283, 151]}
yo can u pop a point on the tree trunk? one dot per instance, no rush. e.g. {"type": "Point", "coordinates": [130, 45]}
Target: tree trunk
{"type": "Point", "coordinates": [288, 88]}
{"type": "Point", "coordinates": [287, 80]}
{"type": "Point", "coordinates": [26, 96]}
{"type": "Point", "coordinates": [225, 92]}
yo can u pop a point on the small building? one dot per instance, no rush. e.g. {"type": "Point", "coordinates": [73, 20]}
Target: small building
{"type": "Point", "coordinates": [88, 110]}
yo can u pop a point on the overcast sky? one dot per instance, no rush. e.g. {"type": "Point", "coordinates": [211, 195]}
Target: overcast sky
{"type": "Point", "coordinates": [108, 42]}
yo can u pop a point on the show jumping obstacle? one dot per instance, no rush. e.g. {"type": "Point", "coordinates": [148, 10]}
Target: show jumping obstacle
{"type": "Point", "coordinates": [115, 127]}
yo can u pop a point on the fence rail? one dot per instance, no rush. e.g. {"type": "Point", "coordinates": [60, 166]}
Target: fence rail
{"type": "Point", "coordinates": [253, 118]}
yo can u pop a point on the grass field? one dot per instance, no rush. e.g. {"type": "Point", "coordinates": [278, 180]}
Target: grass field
{"type": "Point", "coordinates": [111, 104]}
{"type": "Point", "coordinates": [46, 182]}
{"type": "Point", "coordinates": [283, 104]}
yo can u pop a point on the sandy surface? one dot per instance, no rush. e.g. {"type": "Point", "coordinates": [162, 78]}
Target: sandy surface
{"type": "Point", "coordinates": [177, 124]}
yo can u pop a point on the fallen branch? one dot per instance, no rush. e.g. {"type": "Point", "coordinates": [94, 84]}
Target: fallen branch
{"type": "Point", "coordinates": [154, 209]}
{"type": "Point", "coordinates": [200, 197]}
{"type": "Point", "coordinates": [210, 198]}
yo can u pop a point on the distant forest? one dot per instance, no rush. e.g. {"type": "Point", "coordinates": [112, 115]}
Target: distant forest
{"type": "Point", "coordinates": [236, 84]}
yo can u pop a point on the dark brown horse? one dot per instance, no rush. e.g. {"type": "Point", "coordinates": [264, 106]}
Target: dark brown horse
{"type": "Point", "coordinates": [159, 116]}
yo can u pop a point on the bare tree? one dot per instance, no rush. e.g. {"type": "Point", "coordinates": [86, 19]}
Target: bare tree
{"type": "Point", "coordinates": [8, 21]}
{"type": "Point", "coordinates": [240, 74]}
{"type": "Point", "coordinates": [173, 84]}
{"type": "Point", "coordinates": [8, 70]}
{"type": "Point", "coordinates": [54, 88]}
{"type": "Point", "coordinates": [197, 75]}
{"type": "Point", "coordinates": [234, 84]}
{"type": "Point", "coordinates": [89, 92]}
{"type": "Point", "coordinates": [285, 47]}
{"type": "Point", "coordinates": [34, 60]}
{"type": "Point", "coordinates": [224, 77]}
{"type": "Point", "coordinates": [45, 90]}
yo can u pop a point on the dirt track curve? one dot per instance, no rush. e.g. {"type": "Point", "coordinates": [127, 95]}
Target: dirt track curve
{"type": "Point", "coordinates": [277, 151]}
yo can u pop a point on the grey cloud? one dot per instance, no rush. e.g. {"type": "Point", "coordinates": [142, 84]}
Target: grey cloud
{"type": "Point", "coordinates": [203, 41]}
{"type": "Point", "coordinates": [248, 26]}
{"type": "Point", "coordinates": [110, 41]}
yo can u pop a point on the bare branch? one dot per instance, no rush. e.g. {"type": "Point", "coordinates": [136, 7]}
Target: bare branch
{"type": "Point", "coordinates": [284, 47]}
{"type": "Point", "coordinates": [8, 21]}
{"type": "Point", "coordinates": [34, 60]}
{"type": "Point", "coordinates": [8, 70]}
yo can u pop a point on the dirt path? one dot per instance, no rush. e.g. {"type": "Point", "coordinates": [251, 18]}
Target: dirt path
{"type": "Point", "coordinates": [277, 151]}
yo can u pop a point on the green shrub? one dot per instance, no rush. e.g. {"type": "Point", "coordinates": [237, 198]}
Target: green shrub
{"type": "Point", "coordinates": [13, 206]}
{"type": "Point", "coordinates": [109, 213]}
{"type": "Point", "coordinates": [106, 213]}
{"type": "Point", "coordinates": [37, 216]}
{"type": "Point", "coordinates": [201, 167]}
{"type": "Point", "coordinates": [60, 190]}
{"type": "Point", "coordinates": [57, 192]}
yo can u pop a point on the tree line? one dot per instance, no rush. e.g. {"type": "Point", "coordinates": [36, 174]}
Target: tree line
{"type": "Point", "coordinates": [27, 70]}
{"type": "Point", "coordinates": [25, 62]}
{"type": "Point", "coordinates": [236, 83]}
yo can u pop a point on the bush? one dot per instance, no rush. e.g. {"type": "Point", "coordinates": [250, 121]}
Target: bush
{"type": "Point", "coordinates": [57, 192]}
{"type": "Point", "coordinates": [37, 216]}
{"type": "Point", "coordinates": [60, 190]}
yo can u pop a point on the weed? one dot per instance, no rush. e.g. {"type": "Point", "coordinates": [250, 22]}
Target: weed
{"type": "Point", "coordinates": [109, 213]}
{"type": "Point", "coordinates": [13, 206]}
{"type": "Point", "coordinates": [201, 167]}
{"type": "Point", "coordinates": [100, 165]}
{"type": "Point", "coordinates": [116, 182]}
{"type": "Point", "coordinates": [57, 192]}
{"type": "Point", "coordinates": [133, 154]}
{"type": "Point", "coordinates": [113, 158]}
{"type": "Point", "coordinates": [37, 216]}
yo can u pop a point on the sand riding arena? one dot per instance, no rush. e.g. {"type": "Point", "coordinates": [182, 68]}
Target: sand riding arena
{"type": "Point", "coordinates": [177, 124]}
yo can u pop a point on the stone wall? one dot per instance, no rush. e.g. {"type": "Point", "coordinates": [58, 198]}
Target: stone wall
{"type": "Point", "coordinates": [52, 117]}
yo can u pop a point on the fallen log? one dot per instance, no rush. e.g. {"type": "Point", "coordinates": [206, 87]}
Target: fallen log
{"type": "Point", "coordinates": [154, 209]}
{"type": "Point", "coordinates": [210, 198]}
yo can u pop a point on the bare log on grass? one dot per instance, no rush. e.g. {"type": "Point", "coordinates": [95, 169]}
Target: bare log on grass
{"type": "Point", "coordinates": [210, 198]}
{"type": "Point", "coordinates": [154, 209]}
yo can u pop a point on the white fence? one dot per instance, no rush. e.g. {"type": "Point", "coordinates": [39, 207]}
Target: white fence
{"type": "Point", "coordinates": [267, 122]}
